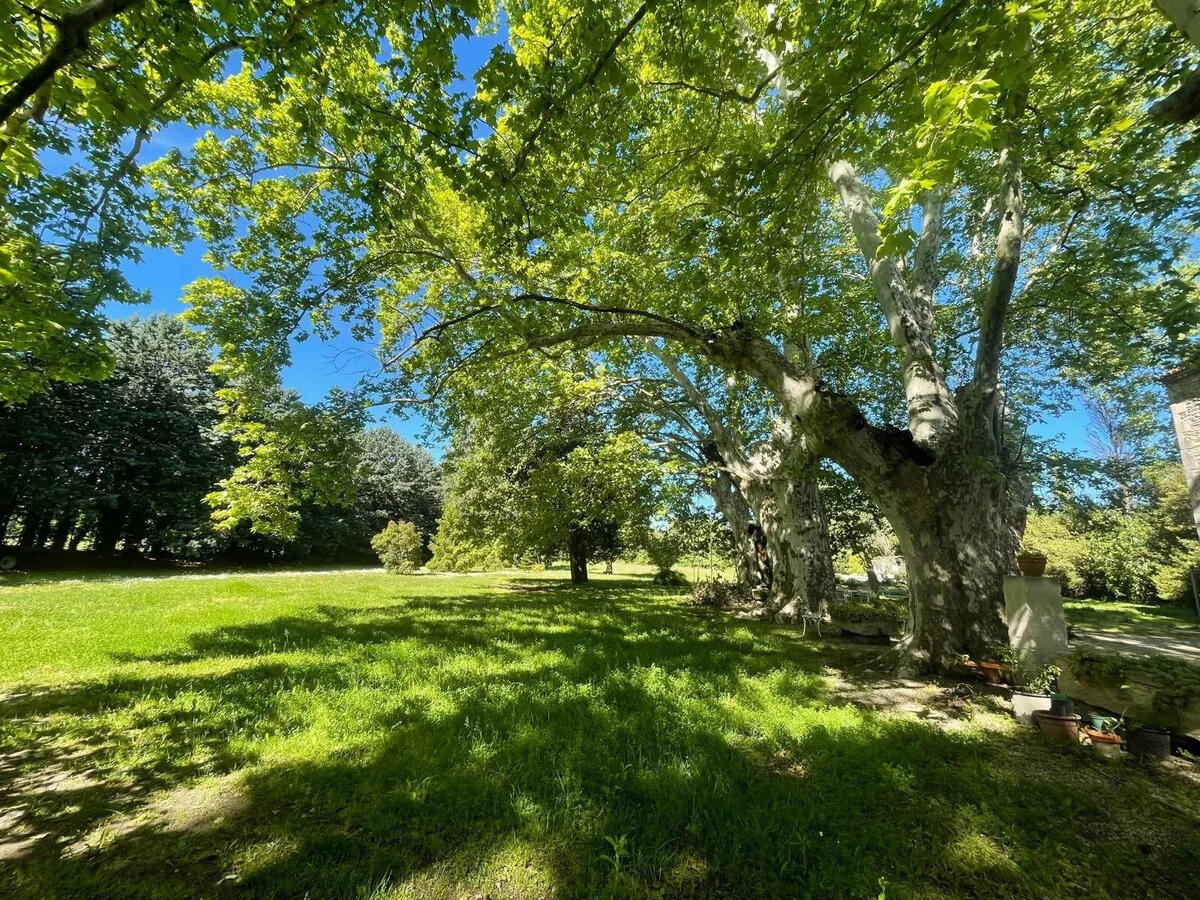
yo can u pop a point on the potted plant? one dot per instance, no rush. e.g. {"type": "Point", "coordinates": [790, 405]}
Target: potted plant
{"type": "Point", "coordinates": [1057, 728]}
{"type": "Point", "coordinates": [1106, 743]}
{"type": "Point", "coordinates": [996, 669]}
{"type": "Point", "coordinates": [1150, 742]}
{"type": "Point", "coordinates": [993, 672]}
{"type": "Point", "coordinates": [1031, 562]}
{"type": "Point", "coordinates": [1032, 683]}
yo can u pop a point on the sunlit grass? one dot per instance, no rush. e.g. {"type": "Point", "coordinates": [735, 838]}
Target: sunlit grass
{"type": "Point", "coordinates": [365, 735]}
{"type": "Point", "coordinates": [1130, 618]}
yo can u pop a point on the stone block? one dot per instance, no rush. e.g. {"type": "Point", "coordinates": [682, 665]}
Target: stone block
{"type": "Point", "coordinates": [1036, 624]}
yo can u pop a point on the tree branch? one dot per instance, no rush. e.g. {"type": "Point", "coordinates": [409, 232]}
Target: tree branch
{"type": "Point", "coordinates": [527, 147]}
{"type": "Point", "coordinates": [925, 270]}
{"type": "Point", "coordinates": [71, 39]}
{"type": "Point", "coordinates": [932, 414]}
{"type": "Point", "coordinates": [1004, 278]}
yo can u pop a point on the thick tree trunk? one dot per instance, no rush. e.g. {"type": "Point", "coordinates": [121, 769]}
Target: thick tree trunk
{"type": "Point", "coordinates": [952, 517]}
{"type": "Point", "coordinates": [814, 549]}
{"type": "Point", "coordinates": [31, 525]}
{"type": "Point", "coordinates": [135, 533]}
{"type": "Point", "coordinates": [577, 553]}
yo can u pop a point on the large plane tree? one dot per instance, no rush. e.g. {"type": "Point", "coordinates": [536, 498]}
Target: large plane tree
{"type": "Point", "coordinates": [896, 217]}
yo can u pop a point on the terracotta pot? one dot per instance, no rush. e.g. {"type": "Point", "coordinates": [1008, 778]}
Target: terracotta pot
{"type": "Point", "coordinates": [1025, 704]}
{"type": "Point", "coordinates": [1105, 743]}
{"type": "Point", "coordinates": [994, 672]}
{"type": "Point", "coordinates": [1032, 565]}
{"type": "Point", "coordinates": [1057, 728]}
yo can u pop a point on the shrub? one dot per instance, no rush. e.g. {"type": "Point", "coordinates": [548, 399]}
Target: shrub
{"type": "Point", "coordinates": [399, 547]}
{"type": "Point", "coordinates": [857, 606]}
{"type": "Point", "coordinates": [1065, 549]}
{"type": "Point", "coordinates": [1120, 563]}
{"type": "Point", "coordinates": [664, 548]}
{"type": "Point", "coordinates": [716, 593]}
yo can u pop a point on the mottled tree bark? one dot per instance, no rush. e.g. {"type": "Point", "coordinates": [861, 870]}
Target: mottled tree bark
{"type": "Point", "coordinates": [792, 515]}
{"type": "Point", "coordinates": [736, 512]}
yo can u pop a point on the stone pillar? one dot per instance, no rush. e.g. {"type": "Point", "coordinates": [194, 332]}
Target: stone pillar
{"type": "Point", "coordinates": [1036, 624]}
{"type": "Point", "coordinates": [1183, 395]}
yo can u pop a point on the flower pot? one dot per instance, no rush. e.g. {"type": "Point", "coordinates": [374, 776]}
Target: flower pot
{"type": "Point", "coordinates": [994, 672]}
{"type": "Point", "coordinates": [1105, 743]}
{"type": "Point", "coordinates": [1057, 728]}
{"type": "Point", "coordinates": [1032, 565]}
{"type": "Point", "coordinates": [1025, 703]}
{"type": "Point", "coordinates": [1150, 743]}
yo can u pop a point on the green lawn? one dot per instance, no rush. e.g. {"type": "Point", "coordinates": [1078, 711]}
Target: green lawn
{"type": "Point", "coordinates": [365, 735]}
{"type": "Point", "coordinates": [1130, 618]}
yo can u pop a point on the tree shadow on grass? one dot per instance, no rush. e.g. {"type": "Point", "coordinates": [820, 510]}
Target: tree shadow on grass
{"type": "Point", "coordinates": [579, 743]}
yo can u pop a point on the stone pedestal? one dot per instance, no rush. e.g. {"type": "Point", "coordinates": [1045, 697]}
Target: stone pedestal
{"type": "Point", "coordinates": [1183, 394]}
{"type": "Point", "coordinates": [1036, 624]}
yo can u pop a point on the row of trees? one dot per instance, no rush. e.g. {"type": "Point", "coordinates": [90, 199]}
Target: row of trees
{"type": "Point", "coordinates": [875, 237]}
{"type": "Point", "coordinates": [140, 460]}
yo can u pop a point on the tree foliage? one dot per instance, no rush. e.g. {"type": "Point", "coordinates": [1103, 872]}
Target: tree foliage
{"type": "Point", "coordinates": [126, 459]}
{"type": "Point", "coordinates": [400, 547]}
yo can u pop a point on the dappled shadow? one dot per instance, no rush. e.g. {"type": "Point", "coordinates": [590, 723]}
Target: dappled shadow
{"type": "Point", "coordinates": [574, 742]}
{"type": "Point", "coordinates": [1131, 618]}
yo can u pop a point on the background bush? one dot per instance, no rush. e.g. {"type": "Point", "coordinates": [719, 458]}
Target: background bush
{"type": "Point", "coordinates": [399, 547]}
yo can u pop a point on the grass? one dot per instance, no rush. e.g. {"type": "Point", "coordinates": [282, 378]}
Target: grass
{"type": "Point", "coordinates": [1130, 618]}
{"type": "Point", "coordinates": [365, 735]}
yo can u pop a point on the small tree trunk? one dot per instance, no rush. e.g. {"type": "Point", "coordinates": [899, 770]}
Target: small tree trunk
{"type": "Point", "coordinates": [873, 584]}
{"type": "Point", "coordinates": [62, 530]}
{"type": "Point", "coordinates": [43, 532]}
{"type": "Point", "coordinates": [6, 514]}
{"type": "Point", "coordinates": [577, 553]}
{"type": "Point", "coordinates": [736, 512]}
{"type": "Point", "coordinates": [108, 530]}
{"type": "Point", "coordinates": [82, 528]}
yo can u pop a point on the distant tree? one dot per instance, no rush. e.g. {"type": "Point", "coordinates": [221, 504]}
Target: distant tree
{"type": "Point", "coordinates": [400, 547]}
{"type": "Point", "coordinates": [289, 455]}
{"type": "Point", "coordinates": [124, 461]}
{"type": "Point", "coordinates": [556, 490]}
{"type": "Point", "coordinates": [1125, 434]}
{"type": "Point", "coordinates": [395, 480]}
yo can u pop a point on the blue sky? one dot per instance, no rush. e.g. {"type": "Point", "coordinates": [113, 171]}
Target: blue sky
{"type": "Point", "coordinates": [316, 366]}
